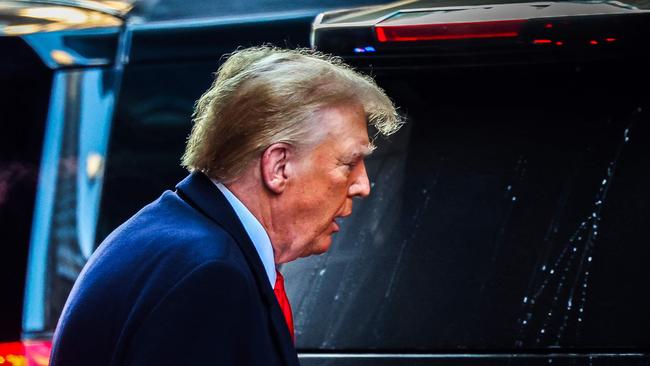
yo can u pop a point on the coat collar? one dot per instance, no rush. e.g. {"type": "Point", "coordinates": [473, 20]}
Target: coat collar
{"type": "Point", "coordinates": [199, 191]}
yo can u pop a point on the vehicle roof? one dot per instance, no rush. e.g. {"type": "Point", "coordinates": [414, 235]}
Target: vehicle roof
{"type": "Point", "coordinates": [21, 17]}
{"type": "Point", "coordinates": [451, 10]}
{"type": "Point", "coordinates": [169, 10]}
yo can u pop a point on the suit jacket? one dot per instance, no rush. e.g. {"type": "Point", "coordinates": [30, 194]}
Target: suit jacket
{"type": "Point", "coordinates": [179, 283]}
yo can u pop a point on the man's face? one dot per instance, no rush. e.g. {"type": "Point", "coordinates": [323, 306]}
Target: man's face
{"type": "Point", "coordinates": [325, 180]}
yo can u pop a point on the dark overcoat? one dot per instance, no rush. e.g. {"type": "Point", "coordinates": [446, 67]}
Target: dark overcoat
{"type": "Point", "coordinates": [179, 283]}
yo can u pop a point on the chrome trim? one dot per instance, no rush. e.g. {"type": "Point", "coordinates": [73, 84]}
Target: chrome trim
{"type": "Point", "coordinates": [34, 306]}
{"type": "Point", "coordinates": [81, 101]}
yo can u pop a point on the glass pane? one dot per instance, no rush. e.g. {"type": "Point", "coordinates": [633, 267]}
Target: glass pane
{"type": "Point", "coordinates": [24, 94]}
{"type": "Point", "coordinates": [152, 120]}
{"type": "Point", "coordinates": [510, 212]}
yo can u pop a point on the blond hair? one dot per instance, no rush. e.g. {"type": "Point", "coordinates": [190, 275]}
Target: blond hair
{"type": "Point", "coordinates": [264, 95]}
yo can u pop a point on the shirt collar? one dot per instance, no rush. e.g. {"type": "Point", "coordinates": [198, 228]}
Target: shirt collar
{"type": "Point", "coordinates": [255, 232]}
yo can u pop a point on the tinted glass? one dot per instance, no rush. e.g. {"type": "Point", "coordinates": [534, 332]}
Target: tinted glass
{"type": "Point", "coordinates": [151, 123]}
{"type": "Point", "coordinates": [24, 95]}
{"type": "Point", "coordinates": [510, 212]}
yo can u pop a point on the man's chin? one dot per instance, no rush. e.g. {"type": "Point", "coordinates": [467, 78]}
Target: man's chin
{"type": "Point", "coordinates": [319, 247]}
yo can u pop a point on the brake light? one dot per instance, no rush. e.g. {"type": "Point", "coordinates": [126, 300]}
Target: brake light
{"type": "Point", "coordinates": [448, 31]}
{"type": "Point", "coordinates": [25, 353]}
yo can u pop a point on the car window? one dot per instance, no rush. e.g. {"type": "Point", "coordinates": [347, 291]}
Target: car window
{"type": "Point", "coordinates": [509, 212]}
{"type": "Point", "coordinates": [24, 86]}
{"type": "Point", "coordinates": [151, 123]}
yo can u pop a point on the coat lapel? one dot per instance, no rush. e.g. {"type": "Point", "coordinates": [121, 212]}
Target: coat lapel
{"type": "Point", "coordinates": [199, 191]}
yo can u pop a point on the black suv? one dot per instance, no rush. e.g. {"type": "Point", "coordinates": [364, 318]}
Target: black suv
{"type": "Point", "coordinates": [507, 219]}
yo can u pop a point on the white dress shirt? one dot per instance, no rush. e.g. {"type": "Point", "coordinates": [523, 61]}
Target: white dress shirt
{"type": "Point", "coordinates": [255, 232]}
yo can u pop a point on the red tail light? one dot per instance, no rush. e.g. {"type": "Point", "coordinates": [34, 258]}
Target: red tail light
{"type": "Point", "coordinates": [25, 353]}
{"type": "Point", "coordinates": [434, 32]}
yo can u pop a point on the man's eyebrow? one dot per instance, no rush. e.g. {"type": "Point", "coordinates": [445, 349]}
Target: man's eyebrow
{"type": "Point", "coordinates": [369, 149]}
{"type": "Point", "coordinates": [364, 152]}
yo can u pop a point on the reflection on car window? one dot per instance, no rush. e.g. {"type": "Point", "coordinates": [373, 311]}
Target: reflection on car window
{"type": "Point", "coordinates": [509, 213]}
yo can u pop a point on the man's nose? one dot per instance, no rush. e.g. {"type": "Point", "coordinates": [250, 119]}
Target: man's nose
{"type": "Point", "coordinates": [361, 185]}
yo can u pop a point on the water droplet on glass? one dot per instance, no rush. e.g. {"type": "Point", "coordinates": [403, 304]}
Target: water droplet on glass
{"type": "Point", "coordinates": [514, 198]}
{"type": "Point", "coordinates": [604, 181]}
{"type": "Point", "coordinates": [525, 299]}
{"type": "Point", "coordinates": [508, 188]}
{"type": "Point", "coordinates": [581, 310]}
{"type": "Point", "coordinates": [575, 249]}
{"type": "Point", "coordinates": [552, 271]}
{"type": "Point", "coordinates": [544, 268]}
{"type": "Point", "coordinates": [579, 319]}
{"type": "Point", "coordinates": [599, 202]}
{"type": "Point", "coordinates": [542, 331]}
{"type": "Point", "coordinates": [524, 322]}
{"type": "Point", "coordinates": [424, 191]}
{"type": "Point", "coordinates": [589, 259]}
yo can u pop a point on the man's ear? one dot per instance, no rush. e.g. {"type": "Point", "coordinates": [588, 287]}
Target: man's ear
{"type": "Point", "coordinates": [274, 166]}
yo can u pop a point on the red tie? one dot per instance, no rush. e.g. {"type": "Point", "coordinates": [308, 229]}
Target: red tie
{"type": "Point", "coordinates": [281, 295]}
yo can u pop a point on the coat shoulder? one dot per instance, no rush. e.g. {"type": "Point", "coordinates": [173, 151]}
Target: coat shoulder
{"type": "Point", "coordinates": [165, 244]}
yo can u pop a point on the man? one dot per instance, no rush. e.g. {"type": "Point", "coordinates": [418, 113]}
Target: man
{"type": "Point", "coordinates": [276, 156]}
